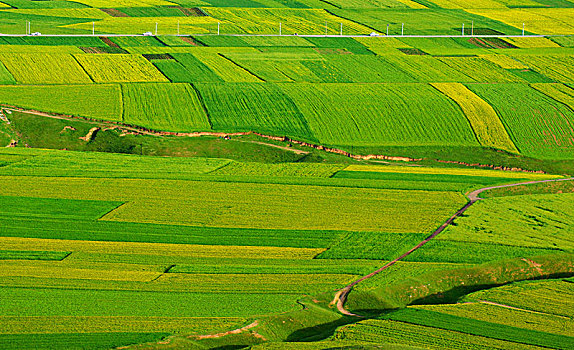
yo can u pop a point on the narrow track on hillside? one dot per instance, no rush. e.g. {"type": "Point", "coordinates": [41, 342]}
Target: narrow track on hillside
{"type": "Point", "coordinates": [133, 129]}
{"type": "Point", "coordinates": [473, 197]}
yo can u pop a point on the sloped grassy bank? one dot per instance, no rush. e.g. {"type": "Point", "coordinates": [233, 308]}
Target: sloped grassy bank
{"type": "Point", "coordinates": [314, 325]}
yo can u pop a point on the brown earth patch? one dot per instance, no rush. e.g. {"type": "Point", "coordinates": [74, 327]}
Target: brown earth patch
{"type": "Point", "coordinates": [114, 12]}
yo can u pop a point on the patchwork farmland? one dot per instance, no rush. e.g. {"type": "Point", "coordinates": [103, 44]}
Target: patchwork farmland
{"type": "Point", "coordinates": [272, 174]}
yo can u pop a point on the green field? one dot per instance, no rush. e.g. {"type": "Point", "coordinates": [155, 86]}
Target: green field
{"type": "Point", "coordinates": [218, 181]}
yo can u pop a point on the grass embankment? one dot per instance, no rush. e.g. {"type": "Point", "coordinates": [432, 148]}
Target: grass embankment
{"type": "Point", "coordinates": [448, 287]}
{"type": "Point", "coordinates": [43, 132]}
{"type": "Point", "coordinates": [317, 321]}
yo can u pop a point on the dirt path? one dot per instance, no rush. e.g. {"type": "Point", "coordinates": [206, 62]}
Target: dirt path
{"type": "Point", "coordinates": [235, 331]}
{"type": "Point", "coordinates": [519, 309]}
{"type": "Point", "coordinates": [127, 129]}
{"type": "Point", "coordinates": [341, 295]}
{"type": "Point", "coordinates": [285, 148]}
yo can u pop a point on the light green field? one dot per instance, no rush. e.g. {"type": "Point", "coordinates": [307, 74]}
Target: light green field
{"type": "Point", "coordinates": [232, 184]}
{"type": "Point", "coordinates": [361, 120]}
{"type": "Point", "coordinates": [171, 107]}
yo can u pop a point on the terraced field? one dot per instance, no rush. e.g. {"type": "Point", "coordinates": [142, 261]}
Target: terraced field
{"type": "Point", "coordinates": [246, 174]}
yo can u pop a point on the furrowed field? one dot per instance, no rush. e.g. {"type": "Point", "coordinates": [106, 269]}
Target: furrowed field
{"type": "Point", "coordinates": [217, 182]}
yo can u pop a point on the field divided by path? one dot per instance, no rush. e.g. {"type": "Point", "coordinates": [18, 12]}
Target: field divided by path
{"type": "Point", "coordinates": [95, 241]}
{"type": "Point", "coordinates": [297, 87]}
{"type": "Point", "coordinates": [233, 230]}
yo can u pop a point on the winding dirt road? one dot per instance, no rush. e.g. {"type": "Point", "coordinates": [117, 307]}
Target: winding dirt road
{"type": "Point", "coordinates": [473, 197]}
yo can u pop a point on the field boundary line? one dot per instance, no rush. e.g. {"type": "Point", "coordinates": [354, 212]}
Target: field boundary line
{"type": "Point", "coordinates": [473, 197]}
{"type": "Point", "coordinates": [519, 309]}
{"type": "Point", "coordinates": [111, 35]}
{"type": "Point", "coordinates": [128, 128]}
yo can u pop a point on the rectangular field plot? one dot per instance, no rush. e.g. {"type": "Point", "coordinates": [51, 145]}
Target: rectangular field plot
{"type": "Point", "coordinates": [5, 76]}
{"type": "Point", "coordinates": [449, 172]}
{"type": "Point", "coordinates": [283, 170]}
{"type": "Point", "coordinates": [507, 316]}
{"type": "Point", "coordinates": [139, 41]}
{"type": "Point", "coordinates": [377, 4]}
{"type": "Point", "coordinates": [540, 221]}
{"type": "Point", "coordinates": [550, 297]}
{"type": "Point", "coordinates": [76, 340]}
{"type": "Point", "coordinates": [428, 318]}
{"type": "Point", "coordinates": [427, 69]}
{"type": "Point", "coordinates": [265, 21]}
{"type": "Point", "coordinates": [159, 256]}
{"type": "Point", "coordinates": [403, 271]}
{"type": "Point", "coordinates": [84, 12]}
{"type": "Point", "coordinates": [365, 69]}
{"type": "Point", "coordinates": [531, 42]}
{"type": "Point", "coordinates": [66, 325]}
{"type": "Point", "coordinates": [225, 68]}
{"type": "Point", "coordinates": [124, 3]}
{"type": "Point", "coordinates": [36, 44]}
{"type": "Point", "coordinates": [378, 114]}
{"type": "Point", "coordinates": [44, 69]}
{"type": "Point", "coordinates": [425, 22]}
{"type": "Point", "coordinates": [278, 66]}
{"type": "Point", "coordinates": [539, 20]}
{"type": "Point", "coordinates": [106, 68]}
{"type": "Point", "coordinates": [191, 70]}
{"type": "Point", "coordinates": [293, 210]}
{"type": "Point", "coordinates": [266, 206]}
{"type": "Point", "coordinates": [504, 61]}
{"type": "Point", "coordinates": [69, 302]}
{"type": "Point", "coordinates": [480, 70]}
{"type": "Point", "coordinates": [109, 165]}
{"type": "Point", "coordinates": [98, 101]}
{"type": "Point", "coordinates": [253, 107]}
{"type": "Point", "coordinates": [446, 251]}
{"type": "Point", "coordinates": [370, 245]}
{"type": "Point", "coordinates": [387, 331]}
{"type": "Point", "coordinates": [538, 125]}
{"type": "Point", "coordinates": [486, 125]}
{"type": "Point", "coordinates": [559, 92]}
{"type": "Point", "coordinates": [78, 271]}
{"type": "Point", "coordinates": [339, 45]}
{"type": "Point", "coordinates": [54, 208]}
{"type": "Point", "coordinates": [170, 107]}
{"type": "Point", "coordinates": [447, 180]}
{"type": "Point", "coordinates": [27, 49]}
{"type": "Point", "coordinates": [262, 41]}
{"type": "Point", "coordinates": [558, 68]}
{"type": "Point", "coordinates": [139, 25]}
{"type": "Point", "coordinates": [171, 234]}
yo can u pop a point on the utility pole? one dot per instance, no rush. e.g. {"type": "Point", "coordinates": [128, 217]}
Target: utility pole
{"type": "Point", "coordinates": [403, 29]}
{"type": "Point", "coordinates": [472, 29]}
{"type": "Point", "coordinates": [462, 30]}
{"type": "Point", "coordinates": [178, 28]}
{"type": "Point", "coordinates": [280, 29]}
{"type": "Point", "coordinates": [155, 28]}
{"type": "Point", "coordinates": [523, 29]}
{"type": "Point", "coordinates": [217, 28]}
{"type": "Point", "coordinates": [341, 29]}
{"type": "Point", "coordinates": [93, 28]}
{"type": "Point", "coordinates": [387, 30]}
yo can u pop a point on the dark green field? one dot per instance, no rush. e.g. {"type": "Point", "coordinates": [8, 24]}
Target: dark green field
{"type": "Point", "coordinates": [226, 180]}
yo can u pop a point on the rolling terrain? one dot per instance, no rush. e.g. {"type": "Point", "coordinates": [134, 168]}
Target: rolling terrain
{"type": "Point", "coordinates": [286, 174]}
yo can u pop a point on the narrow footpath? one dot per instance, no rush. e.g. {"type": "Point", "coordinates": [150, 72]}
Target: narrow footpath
{"type": "Point", "coordinates": [473, 197]}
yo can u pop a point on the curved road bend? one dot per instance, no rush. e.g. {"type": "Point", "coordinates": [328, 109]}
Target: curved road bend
{"type": "Point", "coordinates": [473, 197]}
